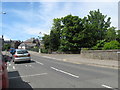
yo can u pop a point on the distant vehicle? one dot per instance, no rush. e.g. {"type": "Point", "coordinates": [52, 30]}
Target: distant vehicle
{"type": "Point", "coordinates": [21, 55]}
{"type": "Point", "coordinates": [4, 81]}
{"type": "Point", "coordinates": [12, 50]}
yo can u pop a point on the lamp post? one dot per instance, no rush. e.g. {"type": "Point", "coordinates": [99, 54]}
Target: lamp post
{"type": "Point", "coordinates": [40, 38]}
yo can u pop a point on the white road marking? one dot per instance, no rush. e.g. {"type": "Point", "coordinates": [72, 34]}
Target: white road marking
{"type": "Point", "coordinates": [39, 63]}
{"type": "Point", "coordinates": [28, 75]}
{"type": "Point", "coordinates": [31, 66]}
{"type": "Point", "coordinates": [106, 86]}
{"type": "Point", "coordinates": [9, 64]}
{"type": "Point", "coordinates": [26, 65]}
{"type": "Point", "coordinates": [8, 68]}
{"type": "Point", "coordinates": [53, 58]}
{"type": "Point", "coordinates": [48, 57]}
{"type": "Point", "coordinates": [13, 67]}
{"type": "Point", "coordinates": [65, 72]}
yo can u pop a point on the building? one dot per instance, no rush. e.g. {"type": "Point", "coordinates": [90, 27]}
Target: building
{"type": "Point", "coordinates": [22, 46]}
{"type": "Point", "coordinates": [30, 43]}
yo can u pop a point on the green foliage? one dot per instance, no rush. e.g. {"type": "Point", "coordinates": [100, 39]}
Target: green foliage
{"type": "Point", "coordinates": [36, 49]}
{"type": "Point", "coordinates": [84, 48]}
{"type": "Point", "coordinates": [112, 45]}
{"type": "Point", "coordinates": [46, 41]}
{"type": "Point", "coordinates": [99, 45]}
{"type": "Point", "coordinates": [95, 28]}
{"type": "Point", "coordinates": [44, 50]}
{"type": "Point", "coordinates": [118, 36]}
{"type": "Point", "coordinates": [55, 34]}
{"type": "Point", "coordinates": [6, 47]}
{"type": "Point", "coordinates": [111, 34]}
{"type": "Point", "coordinates": [71, 33]}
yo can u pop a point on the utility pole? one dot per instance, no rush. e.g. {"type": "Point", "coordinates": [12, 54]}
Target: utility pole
{"type": "Point", "coordinates": [40, 38]}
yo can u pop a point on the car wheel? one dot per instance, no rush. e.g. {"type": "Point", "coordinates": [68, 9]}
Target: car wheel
{"type": "Point", "coordinates": [29, 61]}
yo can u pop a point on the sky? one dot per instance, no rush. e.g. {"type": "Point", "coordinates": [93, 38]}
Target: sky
{"type": "Point", "coordinates": [24, 20]}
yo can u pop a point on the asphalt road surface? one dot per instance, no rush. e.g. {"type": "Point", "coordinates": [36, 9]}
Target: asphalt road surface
{"type": "Point", "coordinates": [42, 72]}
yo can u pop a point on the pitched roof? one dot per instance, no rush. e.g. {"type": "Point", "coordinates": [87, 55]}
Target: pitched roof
{"type": "Point", "coordinates": [29, 40]}
{"type": "Point", "coordinates": [22, 44]}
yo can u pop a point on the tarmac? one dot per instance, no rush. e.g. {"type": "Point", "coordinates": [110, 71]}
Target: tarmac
{"type": "Point", "coordinates": [78, 59]}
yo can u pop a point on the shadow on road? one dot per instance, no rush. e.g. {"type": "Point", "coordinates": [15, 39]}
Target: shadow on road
{"type": "Point", "coordinates": [15, 81]}
{"type": "Point", "coordinates": [26, 62]}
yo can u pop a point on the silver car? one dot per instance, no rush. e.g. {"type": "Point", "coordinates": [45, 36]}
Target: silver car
{"type": "Point", "coordinates": [21, 55]}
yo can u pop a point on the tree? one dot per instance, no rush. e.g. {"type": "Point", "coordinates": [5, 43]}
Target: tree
{"type": "Point", "coordinates": [70, 33]}
{"type": "Point", "coordinates": [46, 41]}
{"type": "Point", "coordinates": [118, 36]}
{"type": "Point", "coordinates": [55, 34]}
{"type": "Point", "coordinates": [95, 27]}
{"type": "Point", "coordinates": [111, 34]}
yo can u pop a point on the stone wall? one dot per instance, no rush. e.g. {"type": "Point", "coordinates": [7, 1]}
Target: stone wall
{"type": "Point", "coordinates": [101, 54]}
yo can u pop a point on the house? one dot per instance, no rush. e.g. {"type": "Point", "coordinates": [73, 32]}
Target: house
{"type": "Point", "coordinates": [30, 43]}
{"type": "Point", "coordinates": [22, 46]}
{"type": "Point", "coordinates": [15, 43]}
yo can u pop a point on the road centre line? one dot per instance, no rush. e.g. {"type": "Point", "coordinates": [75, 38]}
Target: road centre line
{"type": "Point", "coordinates": [106, 86]}
{"type": "Point", "coordinates": [65, 72]}
{"type": "Point", "coordinates": [28, 75]}
{"type": "Point", "coordinates": [39, 63]}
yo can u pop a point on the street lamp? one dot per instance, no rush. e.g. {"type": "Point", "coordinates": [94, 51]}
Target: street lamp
{"type": "Point", "coordinates": [3, 12]}
{"type": "Point", "coordinates": [40, 38]}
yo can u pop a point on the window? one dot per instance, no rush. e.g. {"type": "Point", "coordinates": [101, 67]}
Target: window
{"type": "Point", "coordinates": [22, 52]}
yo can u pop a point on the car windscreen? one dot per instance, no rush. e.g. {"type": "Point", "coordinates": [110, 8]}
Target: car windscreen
{"type": "Point", "coordinates": [22, 52]}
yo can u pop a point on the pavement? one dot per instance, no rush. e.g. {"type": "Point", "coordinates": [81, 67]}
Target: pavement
{"type": "Point", "coordinates": [78, 59]}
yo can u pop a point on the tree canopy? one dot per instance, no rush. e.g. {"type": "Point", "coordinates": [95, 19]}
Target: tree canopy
{"type": "Point", "coordinates": [71, 33]}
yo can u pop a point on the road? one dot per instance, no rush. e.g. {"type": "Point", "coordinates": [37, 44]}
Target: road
{"type": "Point", "coordinates": [42, 72]}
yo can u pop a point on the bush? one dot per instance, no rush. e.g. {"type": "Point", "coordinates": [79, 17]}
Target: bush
{"type": "Point", "coordinates": [44, 50]}
{"type": "Point", "coordinates": [84, 48]}
{"type": "Point", "coordinates": [111, 45]}
{"type": "Point", "coordinates": [99, 45]}
{"type": "Point", "coordinates": [34, 49]}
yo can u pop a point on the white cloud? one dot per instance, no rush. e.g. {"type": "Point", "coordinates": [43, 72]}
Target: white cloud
{"type": "Point", "coordinates": [41, 20]}
{"type": "Point", "coordinates": [6, 37]}
{"type": "Point", "coordinates": [34, 31]}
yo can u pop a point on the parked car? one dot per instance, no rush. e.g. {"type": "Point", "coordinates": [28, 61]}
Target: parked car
{"type": "Point", "coordinates": [21, 55]}
{"type": "Point", "coordinates": [12, 50]}
{"type": "Point", "coordinates": [4, 81]}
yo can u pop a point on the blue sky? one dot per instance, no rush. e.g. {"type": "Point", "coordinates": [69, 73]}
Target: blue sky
{"type": "Point", "coordinates": [24, 20]}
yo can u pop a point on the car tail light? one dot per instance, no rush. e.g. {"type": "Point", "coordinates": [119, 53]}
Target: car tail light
{"type": "Point", "coordinates": [15, 56]}
{"type": "Point", "coordinates": [28, 55]}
